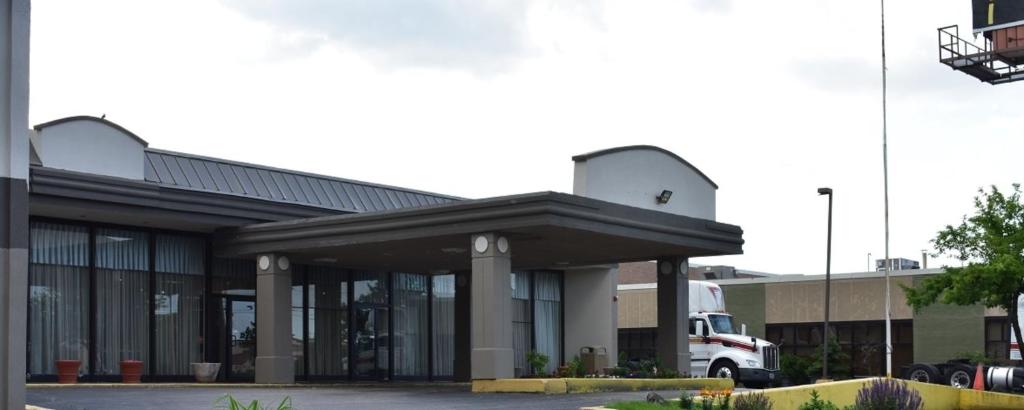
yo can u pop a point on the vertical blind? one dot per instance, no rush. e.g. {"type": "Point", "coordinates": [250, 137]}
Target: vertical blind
{"type": "Point", "coordinates": [410, 320]}
{"type": "Point", "coordinates": [443, 325]}
{"type": "Point", "coordinates": [328, 320]}
{"type": "Point", "coordinates": [58, 296]}
{"type": "Point", "coordinates": [122, 292]}
{"type": "Point", "coordinates": [547, 308]}
{"type": "Point", "coordinates": [180, 267]}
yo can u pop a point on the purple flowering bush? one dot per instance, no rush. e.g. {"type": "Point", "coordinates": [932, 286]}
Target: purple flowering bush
{"type": "Point", "coordinates": [888, 394]}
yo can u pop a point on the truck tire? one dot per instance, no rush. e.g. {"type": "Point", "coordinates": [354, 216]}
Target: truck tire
{"type": "Point", "coordinates": [960, 376]}
{"type": "Point", "coordinates": [924, 373]}
{"type": "Point", "coordinates": [725, 369]}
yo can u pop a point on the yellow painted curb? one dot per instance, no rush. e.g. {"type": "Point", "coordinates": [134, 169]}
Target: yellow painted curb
{"type": "Point", "coordinates": [562, 386]}
{"type": "Point", "coordinates": [935, 397]}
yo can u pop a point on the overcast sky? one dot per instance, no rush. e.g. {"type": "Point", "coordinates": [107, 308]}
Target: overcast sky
{"type": "Point", "coordinates": [771, 99]}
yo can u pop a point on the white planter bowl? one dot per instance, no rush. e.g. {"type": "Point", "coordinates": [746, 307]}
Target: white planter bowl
{"type": "Point", "coordinates": [205, 372]}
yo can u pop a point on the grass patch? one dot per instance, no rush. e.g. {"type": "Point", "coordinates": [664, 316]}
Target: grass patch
{"type": "Point", "coordinates": [641, 405]}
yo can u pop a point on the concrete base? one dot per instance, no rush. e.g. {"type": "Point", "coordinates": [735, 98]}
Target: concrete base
{"type": "Point", "coordinates": [275, 370]}
{"type": "Point", "coordinates": [497, 363]}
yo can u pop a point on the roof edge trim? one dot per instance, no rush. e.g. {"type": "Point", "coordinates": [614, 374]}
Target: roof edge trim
{"type": "Point", "coordinates": [600, 153]}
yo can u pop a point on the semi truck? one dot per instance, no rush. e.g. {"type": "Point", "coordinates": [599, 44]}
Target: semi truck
{"type": "Point", "coordinates": [718, 348]}
{"type": "Point", "coordinates": [962, 373]}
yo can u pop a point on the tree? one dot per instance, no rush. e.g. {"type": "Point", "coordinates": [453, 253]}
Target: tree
{"type": "Point", "coordinates": [991, 244]}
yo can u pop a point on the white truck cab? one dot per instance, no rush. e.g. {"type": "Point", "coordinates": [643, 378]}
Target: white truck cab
{"type": "Point", "coordinates": [718, 348]}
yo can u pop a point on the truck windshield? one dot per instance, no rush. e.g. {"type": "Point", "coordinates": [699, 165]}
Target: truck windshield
{"type": "Point", "coordinates": [722, 324]}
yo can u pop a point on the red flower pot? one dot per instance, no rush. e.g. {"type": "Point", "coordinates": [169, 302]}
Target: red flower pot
{"type": "Point", "coordinates": [67, 371]}
{"type": "Point", "coordinates": [131, 371]}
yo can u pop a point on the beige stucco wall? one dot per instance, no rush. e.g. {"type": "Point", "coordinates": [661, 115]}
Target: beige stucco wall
{"type": "Point", "coordinates": [638, 308]}
{"type": "Point", "coordinates": [852, 299]}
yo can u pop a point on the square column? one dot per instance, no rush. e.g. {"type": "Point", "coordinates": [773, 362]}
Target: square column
{"type": "Point", "coordinates": [274, 361]}
{"type": "Point", "coordinates": [591, 311]}
{"type": "Point", "coordinates": [14, 174]}
{"type": "Point", "coordinates": [674, 314]}
{"type": "Point", "coordinates": [491, 324]}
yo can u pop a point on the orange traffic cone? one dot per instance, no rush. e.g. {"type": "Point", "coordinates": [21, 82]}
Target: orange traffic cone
{"type": "Point", "coordinates": [979, 379]}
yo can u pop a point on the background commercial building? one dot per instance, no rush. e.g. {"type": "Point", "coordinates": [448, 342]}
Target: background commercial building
{"type": "Point", "coordinates": [788, 310]}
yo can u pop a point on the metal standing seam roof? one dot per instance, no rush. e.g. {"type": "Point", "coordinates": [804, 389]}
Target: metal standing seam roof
{"type": "Point", "coordinates": [197, 173]}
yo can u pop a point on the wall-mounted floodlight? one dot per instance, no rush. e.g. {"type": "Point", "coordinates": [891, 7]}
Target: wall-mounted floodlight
{"type": "Point", "coordinates": [664, 197]}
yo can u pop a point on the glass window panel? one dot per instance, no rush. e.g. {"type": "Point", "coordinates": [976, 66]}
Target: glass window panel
{"type": "Point", "coordinates": [327, 328]}
{"type": "Point", "coordinates": [180, 265]}
{"type": "Point", "coordinates": [297, 349]}
{"type": "Point", "coordinates": [521, 326]}
{"type": "Point", "coordinates": [370, 287]}
{"type": "Point", "coordinates": [234, 276]}
{"type": "Point", "coordinates": [443, 324]}
{"type": "Point", "coordinates": [410, 325]}
{"type": "Point", "coordinates": [547, 307]}
{"type": "Point", "coordinates": [58, 296]}
{"type": "Point", "coordinates": [122, 292]}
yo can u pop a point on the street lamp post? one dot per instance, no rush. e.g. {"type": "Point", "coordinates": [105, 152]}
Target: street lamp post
{"type": "Point", "coordinates": [828, 283]}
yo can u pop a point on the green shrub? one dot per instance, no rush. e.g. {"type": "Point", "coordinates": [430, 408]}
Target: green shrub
{"type": "Point", "coordinates": [976, 357]}
{"type": "Point", "coordinates": [888, 394]}
{"type": "Point", "coordinates": [538, 361]}
{"type": "Point", "coordinates": [753, 401]}
{"type": "Point", "coordinates": [686, 401]}
{"type": "Point", "coordinates": [817, 403]}
{"type": "Point", "coordinates": [227, 402]}
{"type": "Point", "coordinates": [838, 362]}
{"type": "Point", "coordinates": [795, 368]}
{"type": "Point", "coordinates": [575, 368]}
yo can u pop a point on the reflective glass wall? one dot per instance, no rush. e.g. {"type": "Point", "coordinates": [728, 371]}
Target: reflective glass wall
{"type": "Point", "coordinates": [102, 295]}
{"type": "Point", "coordinates": [537, 319]}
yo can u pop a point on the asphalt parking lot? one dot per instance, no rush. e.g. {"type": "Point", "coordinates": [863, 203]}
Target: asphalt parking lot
{"type": "Point", "coordinates": [394, 396]}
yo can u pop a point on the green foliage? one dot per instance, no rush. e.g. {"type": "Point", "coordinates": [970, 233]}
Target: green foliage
{"type": "Point", "coordinates": [976, 357]}
{"type": "Point", "coordinates": [838, 362]}
{"type": "Point", "coordinates": [795, 368]}
{"type": "Point", "coordinates": [686, 401]}
{"type": "Point", "coordinates": [816, 403]}
{"type": "Point", "coordinates": [538, 361]}
{"type": "Point", "coordinates": [991, 244]}
{"type": "Point", "coordinates": [575, 368]}
{"type": "Point", "coordinates": [753, 401]}
{"type": "Point", "coordinates": [887, 394]}
{"type": "Point", "coordinates": [227, 402]}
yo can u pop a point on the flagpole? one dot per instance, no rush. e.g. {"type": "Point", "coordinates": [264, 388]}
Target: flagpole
{"type": "Point", "coordinates": [885, 172]}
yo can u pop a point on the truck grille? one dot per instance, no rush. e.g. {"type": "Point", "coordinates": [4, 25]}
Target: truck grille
{"type": "Point", "coordinates": [771, 357]}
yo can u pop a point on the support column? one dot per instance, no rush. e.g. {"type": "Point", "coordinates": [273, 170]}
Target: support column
{"type": "Point", "coordinates": [673, 314]}
{"type": "Point", "coordinates": [591, 312]}
{"type": "Point", "coordinates": [274, 362]}
{"type": "Point", "coordinates": [14, 157]}
{"type": "Point", "coordinates": [491, 323]}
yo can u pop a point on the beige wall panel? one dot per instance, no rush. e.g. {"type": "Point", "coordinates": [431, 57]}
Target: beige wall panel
{"type": "Point", "coordinates": [852, 299]}
{"type": "Point", "coordinates": [638, 308]}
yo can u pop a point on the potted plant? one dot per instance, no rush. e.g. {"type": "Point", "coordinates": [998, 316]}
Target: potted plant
{"type": "Point", "coordinates": [67, 371]}
{"type": "Point", "coordinates": [205, 372]}
{"type": "Point", "coordinates": [131, 371]}
{"type": "Point", "coordinates": [538, 361]}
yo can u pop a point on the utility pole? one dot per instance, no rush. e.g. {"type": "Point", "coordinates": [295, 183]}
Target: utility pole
{"type": "Point", "coordinates": [885, 172]}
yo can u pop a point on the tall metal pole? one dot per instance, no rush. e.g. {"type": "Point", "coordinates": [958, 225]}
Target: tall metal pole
{"type": "Point", "coordinates": [885, 172]}
{"type": "Point", "coordinates": [828, 283]}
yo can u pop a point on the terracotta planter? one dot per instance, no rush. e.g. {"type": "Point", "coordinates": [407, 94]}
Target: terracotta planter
{"type": "Point", "coordinates": [67, 371]}
{"type": "Point", "coordinates": [131, 371]}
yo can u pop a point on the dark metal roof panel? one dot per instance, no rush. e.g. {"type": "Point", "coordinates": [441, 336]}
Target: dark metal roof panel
{"type": "Point", "coordinates": [197, 173]}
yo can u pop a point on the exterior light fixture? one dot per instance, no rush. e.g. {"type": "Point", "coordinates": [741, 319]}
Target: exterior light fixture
{"type": "Point", "coordinates": [664, 197]}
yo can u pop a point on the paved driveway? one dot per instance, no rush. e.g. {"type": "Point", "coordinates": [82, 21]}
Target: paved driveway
{"type": "Point", "coordinates": [395, 396]}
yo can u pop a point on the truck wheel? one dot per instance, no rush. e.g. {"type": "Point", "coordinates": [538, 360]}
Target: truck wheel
{"type": "Point", "coordinates": [725, 369]}
{"type": "Point", "coordinates": [961, 377]}
{"type": "Point", "coordinates": [924, 373]}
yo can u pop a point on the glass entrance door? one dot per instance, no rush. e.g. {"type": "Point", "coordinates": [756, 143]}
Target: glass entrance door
{"type": "Point", "coordinates": [371, 344]}
{"type": "Point", "coordinates": [241, 335]}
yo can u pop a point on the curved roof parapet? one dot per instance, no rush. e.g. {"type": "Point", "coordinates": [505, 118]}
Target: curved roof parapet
{"type": "Point", "coordinates": [104, 121]}
{"type": "Point", "coordinates": [603, 152]}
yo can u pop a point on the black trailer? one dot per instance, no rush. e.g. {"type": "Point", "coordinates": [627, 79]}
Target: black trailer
{"type": "Point", "coordinates": [962, 373]}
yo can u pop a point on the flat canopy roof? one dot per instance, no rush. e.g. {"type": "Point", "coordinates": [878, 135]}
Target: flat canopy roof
{"type": "Point", "coordinates": [545, 229]}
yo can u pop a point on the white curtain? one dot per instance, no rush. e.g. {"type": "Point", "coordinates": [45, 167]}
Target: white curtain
{"type": "Point", "coordinates": [521, 320]}
{"type": "Point", "coordinates": [180, 264]}
{"type": "Point", "coordinates": [547, 315]}
{"type": "Point", "coordinates": [58, 296]}
{"type": "Point", "coordinates": [410, 320]}
{"type": "Point", "coordinates": [122, 306]}
{"type": "Point", "coordinates": [443, 323]}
